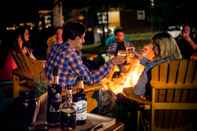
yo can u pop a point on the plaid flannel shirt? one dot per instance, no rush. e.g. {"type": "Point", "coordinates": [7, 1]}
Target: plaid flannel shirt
{"type": "Point", "coordinates": [71, 67]}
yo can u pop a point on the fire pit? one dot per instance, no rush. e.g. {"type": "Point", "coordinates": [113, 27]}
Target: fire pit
{"type": "Point", "coordinates": [128, 78]}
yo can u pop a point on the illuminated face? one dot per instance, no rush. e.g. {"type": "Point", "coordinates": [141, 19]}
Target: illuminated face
{"type": "Point", "coordinates": [186, 29]}
{"type": "Point", "coordinates": [59, 34]}
{"type": "Point", "coordinates": [20, 42]}
{"type": "Point", "coordinates": [79, 41]}
{"type": "Point", "coordinates": [119, 36]}
{"type": "Point", "coordinates": [149, 52]}
{"type": "Point", "coordinates": [26, 35]}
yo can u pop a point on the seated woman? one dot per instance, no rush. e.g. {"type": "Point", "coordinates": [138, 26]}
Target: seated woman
{"type": "Point", "coordinates": [163, 48]}
{"type": "Point", "coordinates": [24, 34]}
{"type": "Point", "coordinates": [18, 46]}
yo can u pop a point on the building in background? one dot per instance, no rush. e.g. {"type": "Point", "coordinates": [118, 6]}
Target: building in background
{"type": "Point", "coordinates": [44, 19]}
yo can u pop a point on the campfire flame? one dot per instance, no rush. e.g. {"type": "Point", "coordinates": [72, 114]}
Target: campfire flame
{"type": "Point", "coordinates": [129, 78]}
{"type": "Point", "coordinates": [133, 75]}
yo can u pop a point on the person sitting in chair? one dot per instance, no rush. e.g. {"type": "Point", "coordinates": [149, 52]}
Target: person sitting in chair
{"type": "Point", "coordinates": [163, 48]}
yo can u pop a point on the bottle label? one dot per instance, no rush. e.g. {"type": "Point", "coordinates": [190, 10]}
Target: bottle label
{"type": "Point", "coordinates": [81, 110]}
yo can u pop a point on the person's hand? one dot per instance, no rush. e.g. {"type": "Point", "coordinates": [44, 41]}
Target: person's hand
{"type": "Point", "coordinates": [187, 38]}
{"type": "Point", "coordinates": [118, 60]}
{"type": "Point", "coordinates": [194, 46]}
{"type": "Point", "coordinates": [186, 34]}
{"type": "Point", "coordinates": [190, 41]}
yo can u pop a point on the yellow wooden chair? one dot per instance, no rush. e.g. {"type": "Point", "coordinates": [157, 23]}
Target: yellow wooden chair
{"type": "Point", "coordinates": [174, 95]}
{"type": "Point", "coordinates": [28, 72]}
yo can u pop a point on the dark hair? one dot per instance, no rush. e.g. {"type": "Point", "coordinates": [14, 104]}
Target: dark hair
{"type": "Point", "coordinates": [118, 30]}
{"type": "Point", "coordinates": [73, 29]}
{"type": "Point", "coordinates": [21, 31]}
{"type": "Point", "coordinates": [161, 35]}
{"type": "Point", "coordinates": [165, 45]}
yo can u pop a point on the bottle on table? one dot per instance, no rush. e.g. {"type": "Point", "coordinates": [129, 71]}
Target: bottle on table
{"type": "Point", "coordinates": [80, 105]}
{"type": "Point", "coordinates": [24, 107]}
{"type": "Point", "coordinates": [68, 113]}
{"type": "Point", "coordinates": [54, 101]}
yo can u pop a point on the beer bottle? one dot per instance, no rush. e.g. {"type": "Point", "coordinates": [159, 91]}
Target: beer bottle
{"type": "Point", "coordinates": [24, 107]}
{"type": "Point", "coordinates": [54, 100]}
{"type": "Point", "coordinates": [80, 105]}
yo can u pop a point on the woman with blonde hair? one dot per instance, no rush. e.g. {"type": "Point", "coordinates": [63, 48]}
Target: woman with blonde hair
{"type": "Point", "coordinates": [160, 49]}
{"type": "Point", "coordinates": [164, 45]}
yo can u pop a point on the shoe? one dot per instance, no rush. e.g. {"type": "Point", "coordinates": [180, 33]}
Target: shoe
{"type": "Point", "coordinates": [129, 93]}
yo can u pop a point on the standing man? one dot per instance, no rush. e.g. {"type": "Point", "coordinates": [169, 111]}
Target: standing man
{"type": "Point", "coordinates": [67, 58]}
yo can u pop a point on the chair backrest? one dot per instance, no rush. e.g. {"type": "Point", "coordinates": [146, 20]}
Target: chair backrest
{"type": "Point", "coordinates": [28, 66]}
{"type": "Point", "coordinates": [28, 72]}
{"type": "Point", "coordinates": [174, 94]}
{"type": "Point", "coordinates": [22, 62]}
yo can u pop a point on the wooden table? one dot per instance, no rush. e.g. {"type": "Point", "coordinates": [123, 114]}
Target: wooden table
{"type": "Point", "coordinates": [94, 123]}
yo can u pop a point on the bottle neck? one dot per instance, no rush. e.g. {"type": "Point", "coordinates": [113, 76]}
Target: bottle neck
{"type": "Point", "coordinates": [70, 97]}
{"type": "Point", "coordinates": [55, 80]}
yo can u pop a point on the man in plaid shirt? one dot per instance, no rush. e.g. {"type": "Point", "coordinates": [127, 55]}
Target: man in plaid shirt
{"type": "Point", "coordinates": [67, 58]}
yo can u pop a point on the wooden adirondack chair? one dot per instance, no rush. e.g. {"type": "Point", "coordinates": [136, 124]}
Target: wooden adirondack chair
{"type": "Point", "coordinates": [28, 72]}
{"type": "Point", "coordinates": [174, 95]}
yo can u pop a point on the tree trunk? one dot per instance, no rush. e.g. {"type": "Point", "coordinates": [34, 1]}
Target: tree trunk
{"type": "Point", "coordinates": [58, 19]}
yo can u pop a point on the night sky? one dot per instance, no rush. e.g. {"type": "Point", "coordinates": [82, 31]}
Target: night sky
{"type": "Point", "coordinates": [14, 10]}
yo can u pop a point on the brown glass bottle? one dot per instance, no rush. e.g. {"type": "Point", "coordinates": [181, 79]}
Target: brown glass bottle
{"type": "Point", "coordinates": [80, 105]}
{"type": "Point", "coordinates": [54, 101]}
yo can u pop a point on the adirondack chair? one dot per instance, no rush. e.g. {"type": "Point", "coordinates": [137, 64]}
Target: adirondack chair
{"type": "Point", "coordinates": [174, 95]}
{"type": "Point", "coordinates": [28, 72]}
